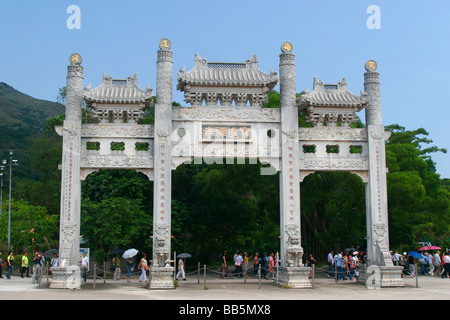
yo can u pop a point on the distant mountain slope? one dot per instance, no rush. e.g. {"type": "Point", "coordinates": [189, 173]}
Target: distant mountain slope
{"type": "Point", "coordinates": [22, 119]}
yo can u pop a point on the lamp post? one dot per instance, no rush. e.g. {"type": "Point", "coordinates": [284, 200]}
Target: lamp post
{"type": "Point", "coordinates": [11, 163]}
{"type": "Point", "coordinates": [1, 189]}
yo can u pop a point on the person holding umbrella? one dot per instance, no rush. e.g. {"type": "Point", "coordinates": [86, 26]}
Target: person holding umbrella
{"type": "Point", "coordinates": [128, 255]}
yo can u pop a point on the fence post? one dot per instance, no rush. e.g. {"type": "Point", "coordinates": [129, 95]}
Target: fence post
{"type": "Point", "coordinates": [198, 264]}
{"type": "Point", "coordinates": [175, 265]}
{"type": "Point", "coordinates": [204, 276]}
{"type": "Point", "coordinates": [104, 272]}
{"type": "Point", "coordinates": [417, 279]}
{"type": "Point", "coordinates": [48, 273]}
{"type": "Point", "coordinates": [335, 273]}
{"type": "Point", "coordinates": [259, 275]}
{"type": "Point", "coordinates": [95, 273]}
{"type": "Point", "coordinates": [313, 274]}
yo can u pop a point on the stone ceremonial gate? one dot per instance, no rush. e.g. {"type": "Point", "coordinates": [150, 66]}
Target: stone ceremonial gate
{"type": "Point", "coordinates": [224, 121]}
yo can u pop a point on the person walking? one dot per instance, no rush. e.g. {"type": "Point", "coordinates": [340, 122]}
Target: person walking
{"type": "Point", "coordinates": [437, 264]}
{"type": "Point", "coordinates": [84, 265]}
{"type": "Point", "coordinates": [224, 265]}
{"type": "Point", "coordinates": [311, 263]}
{"type": "Point", "coordinates": [256, 263]}
{"type": "Point", "coordinates": [412, 265]}
{"type": "Point", "coordinates": [37, 269]}
{"type": "Point", "coordinates": [181, 271]}
{"type": "Point", "coordinates": [330, 262]}
{"type": "Point", "coordinates": [24, 265]}
{"type": "Point", "coordinates": [10, 265]}
{"type": "Point", "coordinates": [143, 265]}
{"type": "Point", "coordinates": [271, 266]}
{"type": "Point", "coordinates": [129, 268]}
{"type": "Point", "coordinates": [339, 267]}
{"type": "Point", "coordinates": [262, 262]}
{"type": "Point", "coordinates": [116, 264]}
{"type": "Point", "coordinates": [430, 264]}
{"type": "Point", "coordinates": [246, 261]}
{"type": "Point", "coordinates": [446, 260]}
{"type": "Point", "coordinates": [238, 265]}
{"type": "Point", "coordinates": [55, 261]}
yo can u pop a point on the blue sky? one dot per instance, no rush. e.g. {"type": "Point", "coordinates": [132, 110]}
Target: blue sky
{"type": "Point", "coordinates": [331, 41]}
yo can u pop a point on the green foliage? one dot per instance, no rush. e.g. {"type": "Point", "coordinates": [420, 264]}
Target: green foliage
{"type": "Point", "coordinates": [114, 223]}
{"type": "Point", "coordinates": [31, 227]}
{"type": "Point", "coordinates": [419, 201]}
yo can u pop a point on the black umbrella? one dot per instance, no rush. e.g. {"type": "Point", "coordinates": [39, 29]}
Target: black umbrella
{"type": "Point", "coordinates": [49, 253]}
{"type": "Point", "coordinates": [115, 252]}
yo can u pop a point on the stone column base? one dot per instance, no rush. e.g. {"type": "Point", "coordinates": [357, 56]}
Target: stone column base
{"type": "Point", "coordinates": [66, 277]}
{"type": "Point", "coordinates": [391, 276]}
{"type": "Point", "coordinates": [376, 277]}
{"type": "Point", "coordinates": [294, 277]}
{"type": "Point", "coordinates": [162, 278]}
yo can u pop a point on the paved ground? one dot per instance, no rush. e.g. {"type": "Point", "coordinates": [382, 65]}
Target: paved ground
{"type": "Point", "coordinates": [430, 288]}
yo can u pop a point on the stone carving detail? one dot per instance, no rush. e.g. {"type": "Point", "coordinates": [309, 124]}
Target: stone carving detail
{"type": "Point", "coordinates": [364, 175]}
{"type": "Point", "coordinates": [164, 77]}
{"type": "Point", "coordinates": [68, 231]}
{"type": "Point", "coordinates": [372, 88]}
{"type": "Point", "coordinates": [110, 131]}
{"type": "Point", "coordinates": [161, 255]}
{"type": "Point", "coordinates": [305, 173]}
{"type": "Point", "coordinates": [290, 135]}
{"type": "Point", "coordinates": [74, 94]}
{"type": "Point", "coordinates": [226, 82]}
{"type": "Point", "coordinates": [380, 231]}
{"type": "Point", "coordinates": [84, 172]}
{"type": "Point", "coordinates": [116, 162]}
{"type": "Point", "coordinates": [341, 134]}
{"type": "Point", "coordinates": [333, 164]}
{"type": "Point", "coordinates": [148, 172]}
{"type": "Point", "coordinates": [294, 249]}
{"type": "Point", "coordinates": [228, 114]}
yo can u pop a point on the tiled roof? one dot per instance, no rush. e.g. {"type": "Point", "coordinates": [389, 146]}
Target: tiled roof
{"type": "Point", "coordinates": [226, 74]}
{"type": "Point", "coordinates": [335, 95]}
{"type": "Point", "coordinates": [120, 91]}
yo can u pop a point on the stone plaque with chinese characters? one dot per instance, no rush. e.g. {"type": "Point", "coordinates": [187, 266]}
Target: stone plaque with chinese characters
{"type": "Point", "coordinates": [226, 133]}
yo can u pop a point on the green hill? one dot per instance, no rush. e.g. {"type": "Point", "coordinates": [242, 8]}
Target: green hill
{"type": "Point", "coordinates": [22, 119]}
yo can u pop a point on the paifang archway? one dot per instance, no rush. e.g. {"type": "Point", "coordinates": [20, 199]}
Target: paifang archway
{"type": "Point", "coordinates": [225, 120]}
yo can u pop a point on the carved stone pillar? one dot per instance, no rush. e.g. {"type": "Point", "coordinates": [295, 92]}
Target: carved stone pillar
{"type": "Point", "coordinates": [162, 271]}
{"type": "Point", "coordinates": [376, 189]}
{"type": "Point", "coordinates": [69, 238]}
{"type": "Point", "coordinates": [292, 271]}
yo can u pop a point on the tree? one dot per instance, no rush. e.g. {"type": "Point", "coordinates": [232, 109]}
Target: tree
{"type": "Point", "coordinates": [115, 223]}
{"type": "Point", "coordinates": [31, 227]}
{"type": "Point", "coordinates": [418, 200]}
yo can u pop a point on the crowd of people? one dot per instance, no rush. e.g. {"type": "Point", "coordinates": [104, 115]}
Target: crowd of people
{"type": "Point", "coordinates": [344, 263]}
{"type": "Point", "coordinates": [431, 263]}
{"type": "Point", "coordinates": [36, 264]}
{"type": "Point", "coordinates": [241, 262]}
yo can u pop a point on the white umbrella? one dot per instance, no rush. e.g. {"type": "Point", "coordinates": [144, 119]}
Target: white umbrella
{"type": "Point", "coordinates": [130, 253]}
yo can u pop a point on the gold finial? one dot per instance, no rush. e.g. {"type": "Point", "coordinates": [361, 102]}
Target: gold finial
{"type": "Point", "coordinates": [371, 65]}
{"type": "Point", "coordinates": [165, 44]}
{"type": "Point", "coordinates": [75, 59]}
{"type": "Point", "coordinates": [287, 47]}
